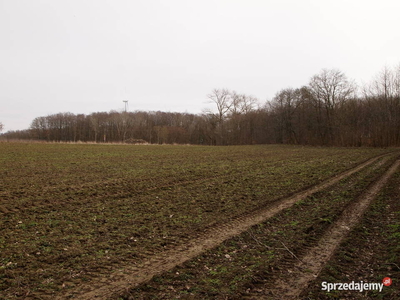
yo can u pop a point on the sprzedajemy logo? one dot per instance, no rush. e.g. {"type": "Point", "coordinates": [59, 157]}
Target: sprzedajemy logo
{"type": "Point", "coordinates": [356, 286]}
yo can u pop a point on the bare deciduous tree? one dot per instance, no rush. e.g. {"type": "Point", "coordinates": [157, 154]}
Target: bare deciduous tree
{"type": "Point", "coordinates": [222, 98]}
{"type": "Point", "coordinates": [285, 104]}
{"type": "Point", "coordinates": [249, 104]}
{"type": "Point", "coordinates": [330, 89]}
{"type": "Point", "coordinates": [241, 103]}
{"type": "Point", "coordinates": [385, 85]}
{"type": "Point", "coordinates": [382, 96]}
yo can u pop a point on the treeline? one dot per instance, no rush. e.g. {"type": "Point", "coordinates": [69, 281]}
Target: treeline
{"type": "Point", "coordinates": [331, 110]}
{"type": "Point", "coordinates": [137, 127]}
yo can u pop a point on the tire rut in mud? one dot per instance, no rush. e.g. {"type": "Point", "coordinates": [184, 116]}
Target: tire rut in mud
{"type": "Point", "coordinates": [369, 253]}
{"type": "Point", "coordinates": [308, 266]}
{"type": "Point", "coordinates": [128, 276]}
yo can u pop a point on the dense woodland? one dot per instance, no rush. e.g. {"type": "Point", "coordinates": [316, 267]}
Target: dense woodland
{"type": "Point", "coordinates": [331, 110]}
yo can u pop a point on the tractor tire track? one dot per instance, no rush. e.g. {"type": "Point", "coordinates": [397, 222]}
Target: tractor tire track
{"type": "Point", "coordinates": [311, 264]}
{"type": "Point", "coordinates": [129, 276]}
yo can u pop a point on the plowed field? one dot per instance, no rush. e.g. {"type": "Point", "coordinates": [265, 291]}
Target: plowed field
{"type": "Point", "coordinates": [109, 221]}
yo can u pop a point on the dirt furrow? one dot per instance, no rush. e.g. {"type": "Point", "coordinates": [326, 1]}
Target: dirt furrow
{"type": "Point", "coordinates": [128, 276]}
{"type": "Point", "coordinates": [109, 194]}
{"type": "Point", "coordinates": [310, 265]}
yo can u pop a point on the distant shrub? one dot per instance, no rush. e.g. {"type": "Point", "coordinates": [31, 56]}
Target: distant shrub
{"type": "Point", "coordinates": [135, 141]}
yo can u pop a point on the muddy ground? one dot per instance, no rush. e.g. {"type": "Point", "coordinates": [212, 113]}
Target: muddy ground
{"type": "Point", "coordinates": [272, 259]}
{"type": "Point", "coordinates": [85, 221]}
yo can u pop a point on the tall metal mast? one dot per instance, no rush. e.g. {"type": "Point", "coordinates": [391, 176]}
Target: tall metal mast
{"type": "Point", "coordinates": [126, 103]}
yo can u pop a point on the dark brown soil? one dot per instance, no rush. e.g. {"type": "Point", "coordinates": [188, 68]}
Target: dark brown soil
{"type": "Point", "coordinates": [83, 220]}
{"type": "Point", "coordinates": [370, 252]}
{"type": "Point", "coordinates": [129, 276]}
{"type": "Point", "coordinates": [277, 258]}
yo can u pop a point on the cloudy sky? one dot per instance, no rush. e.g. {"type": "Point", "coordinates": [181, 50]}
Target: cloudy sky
{"type": "Point", "coordinates": [84, 56]}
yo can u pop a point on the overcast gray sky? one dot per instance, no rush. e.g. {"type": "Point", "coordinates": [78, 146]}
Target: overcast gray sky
{"type": "Point", "coordinates": [84, 56]}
